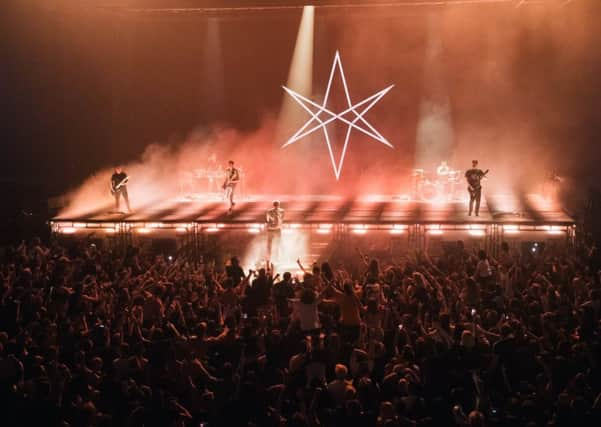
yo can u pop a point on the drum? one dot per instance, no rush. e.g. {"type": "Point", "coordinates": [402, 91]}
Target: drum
{"type": "Point", "coordinates": [200, 173]}
{"type": "Point", "coordinates": [429, 191]}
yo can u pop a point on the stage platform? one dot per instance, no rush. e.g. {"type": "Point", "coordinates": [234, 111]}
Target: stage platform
{"type": "Point", "coordinates": [384, 212]}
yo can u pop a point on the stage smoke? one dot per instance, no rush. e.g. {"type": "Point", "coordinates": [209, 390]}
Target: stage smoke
{"type": "Point", "coordinates": [434, 139]}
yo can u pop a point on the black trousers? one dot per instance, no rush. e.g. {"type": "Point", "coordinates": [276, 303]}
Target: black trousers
{"type": "Point", "coordinates": [122, 192]}
{"type": "Point", "coordinates": [475, 197]}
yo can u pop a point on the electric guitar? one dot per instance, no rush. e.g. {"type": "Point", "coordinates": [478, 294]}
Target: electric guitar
{"type": "Point", "coordinates": [274, 219]}
{"type": "Point", "coordinates": [115, 188]}
{"type": "Point", "coordinates": [232, 178]}
{"type": "Point", "coordinates": [473, 188]}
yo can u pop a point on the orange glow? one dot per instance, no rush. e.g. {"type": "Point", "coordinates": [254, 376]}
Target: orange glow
{"type": "Point", "coordinates": [212, 229]}
{"type": "Point", "coordinates": [434, 229]}
{"type": "Point", "coordinates": [477, 227]}
{"type": "Point", "coordinates": [68, 230]}
{"type": "Point", "coordinates": [398, 229]}
{"type": "Point", "coordinates": [476, 233]}
{"type": "Point", "coordinates": [144, 230]}
{"type": "Point", "coordinates": [359, 228]}
{"type": "Point", "coordinates": [555, 229]}
{"type": "Point", "coordinates": [324, 228]}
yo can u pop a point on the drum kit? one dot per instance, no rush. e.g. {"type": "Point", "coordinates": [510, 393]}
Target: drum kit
{"type": "Point", "coordinates": [440, 185]}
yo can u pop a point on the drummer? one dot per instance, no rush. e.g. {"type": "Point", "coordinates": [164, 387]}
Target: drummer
{"type": "Point", "coordinates": [443, 169]}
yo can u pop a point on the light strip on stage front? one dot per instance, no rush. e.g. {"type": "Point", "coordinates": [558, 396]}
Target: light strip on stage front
{"type": "Point", "coordinates": [398, 229]}
{"type": "Point", "coordinates": [434, 229]}
{"type": "Point", "coordinates": [555, 229]}
{"type": "Point", "coordinates": [324, 228]}
{"type": "Point", "coordinates": [476, 226]}
{"type": "Point", "coordinates": [359, 228]}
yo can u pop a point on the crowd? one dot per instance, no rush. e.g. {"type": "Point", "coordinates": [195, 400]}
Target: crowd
{"type": "Point", "coordinates": [89, 337]}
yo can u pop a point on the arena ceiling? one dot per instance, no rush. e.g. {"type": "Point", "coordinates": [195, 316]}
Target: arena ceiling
{"type": "Point", "coordinates": [177, 6]}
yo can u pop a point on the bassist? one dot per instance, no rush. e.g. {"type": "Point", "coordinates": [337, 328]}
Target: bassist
{"type": "Point", "coordinates": [473, 177]}
{"type": "Point", "coordinates": [119, 187]}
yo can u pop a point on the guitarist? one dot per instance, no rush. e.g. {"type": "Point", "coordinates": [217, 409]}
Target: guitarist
{"type": "Point", "coordinates": [232, 177]}
{"type": "Point", "coordinates": [473, 177]}
{"type": "Point", "coordinates": [119, 187]}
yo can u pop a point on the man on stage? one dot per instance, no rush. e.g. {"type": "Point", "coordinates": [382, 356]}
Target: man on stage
{"type": "Point", "coordinates": [119, 187]}
{"type": "Point", "coordinates": [473, 177]}
{"type": "Point", "coordinates": [232, 177]}
{"type": "Point", "coordinates": [274, 218]}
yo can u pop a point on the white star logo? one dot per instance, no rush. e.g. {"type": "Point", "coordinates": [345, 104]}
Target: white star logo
{"type": "Point", "coordinates": [359, 109]}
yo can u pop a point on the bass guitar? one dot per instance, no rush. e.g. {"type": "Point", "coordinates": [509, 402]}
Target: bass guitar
{"type": "Point", "coordinates": [232, 178]}
{"type": "Point", "coordinates": [473, 188]}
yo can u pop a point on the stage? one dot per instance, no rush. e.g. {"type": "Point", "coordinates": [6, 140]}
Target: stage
{"type": "Point", "coordinates": [320, 212]}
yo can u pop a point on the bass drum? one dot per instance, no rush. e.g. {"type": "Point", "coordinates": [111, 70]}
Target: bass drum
{"type": "Point", "coordinates": [429, 191]}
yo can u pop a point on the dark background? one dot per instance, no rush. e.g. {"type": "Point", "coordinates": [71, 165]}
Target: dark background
{"type": "Point", "coordinates": [84, 88]}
